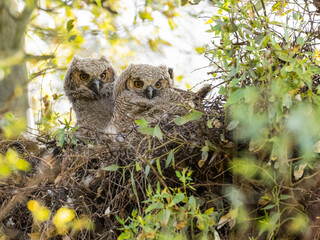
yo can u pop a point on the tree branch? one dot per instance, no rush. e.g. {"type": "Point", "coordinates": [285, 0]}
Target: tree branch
{"type": "Point", "coordinates": [20, 57]}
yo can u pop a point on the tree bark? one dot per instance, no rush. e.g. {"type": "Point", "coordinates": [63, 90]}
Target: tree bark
{"type": "Point", "coordinates": [13, 87]}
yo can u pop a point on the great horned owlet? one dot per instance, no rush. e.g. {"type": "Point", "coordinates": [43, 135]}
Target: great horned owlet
{"type": "Point", "coordinates": [142, 91]}
{"type": "Point", "coordinates": [88, 84]}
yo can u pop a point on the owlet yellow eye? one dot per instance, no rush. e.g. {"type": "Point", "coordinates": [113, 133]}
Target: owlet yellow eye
{"type": "Point", "coordinates": [158, 85]}
{"type": "Point", "coordinates": [138, 84]}
{"type": "Point", "coordinates": [103, 75]}
{"type": "Point", "coordinates": [84, 76]}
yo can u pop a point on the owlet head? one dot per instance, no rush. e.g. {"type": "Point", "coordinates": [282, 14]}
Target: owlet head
{"type": "Point", "coordinates": [90, 73]}
{"type": "Point", "coordinates": [145, 80]}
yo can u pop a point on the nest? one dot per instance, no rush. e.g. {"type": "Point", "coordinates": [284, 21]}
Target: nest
{"type": "Point", "coordinates": [73, 177]}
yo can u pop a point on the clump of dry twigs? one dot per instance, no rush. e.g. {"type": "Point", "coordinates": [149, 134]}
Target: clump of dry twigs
{"type": "Point", "coordinates": [74, 176]}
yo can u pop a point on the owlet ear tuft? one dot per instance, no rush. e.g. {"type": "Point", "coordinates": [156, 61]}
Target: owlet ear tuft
{"type": "Point", "coordinates": [76, 58]}
{"type": "Point", "coordinates": [171, 74]}
{"type": "Point", "coordinates": [104, 58]}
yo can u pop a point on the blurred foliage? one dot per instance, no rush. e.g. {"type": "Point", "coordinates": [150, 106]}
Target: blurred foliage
{"type": "Point", "coordinates": [40, 213]}
{"type": "Point", "coordinates": [11, 162]}
{"type": "Point", "coordinates": [265, 53]}
{"type": "Point", "coordinates": [64, 219]}
{"type": "Point", "coordinates": [12, 127]}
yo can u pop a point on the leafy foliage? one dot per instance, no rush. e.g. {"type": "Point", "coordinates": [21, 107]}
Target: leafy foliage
{"type": "Point", "coordinates": [270, 71]}
{"type": "Point", "coordinates": [170, 215]}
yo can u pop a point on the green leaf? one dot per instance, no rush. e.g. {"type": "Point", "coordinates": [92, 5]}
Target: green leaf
{"type": "Point", "coordinates": [270, 206]}
{"type": "Point", "coordinates": [70, 25]}
{"type": "Point", "coordinates": [209, 123]}
{"type": "Point", "coordinates": [165, 216]}
{"type": "Point", "coordinates": [235, 97]}
{"type": "Point", "coordinates": [284, 197]}
{"type": "Point", "coordinates": [234, 81]}
{"type": "Point", "coordinates": [233, 28]}
{"type": "Point", "coordinates": [153, 206]}
{"type": "Point", "coordinates": [71, 38]}
{"type": "Point", "coordinates": [142, 122]}
{"type": "Point", "coordinates": [147, 131]}
{"type": "Point", "coordinates": [284, 56]}
{"type": "Point", "coordinates": [133, 184]}
{"type": "Point", "coordinates": [147, 169]}
{"type": "Point", "coordinates": [177, 198]}
{"type": "Point", "coordinates": [157, 132]}
{"type": "Point", "coordinates": [169, 158]}
{"type": "Point", "coordinates": [111, 168]}
{"type": "Point", "coordinates": [159, 167]}
{"type": "Point", "coordinates": [99, 3]}
{"type": "Point", "coordinates": [223, 91]}
{"type": "Point", "coordinates": [195, 115]}
{"type": "Point", "coordinates": [120, 220]}
{"type": "Point", "coordinates": [250, 48]}
{"type": "Point", "coordinates": [315, 69]}
{"type": "Point", "coordinates": [178, 174]}
{"type": "Point", "coordinates": [287, 100]}
{"type": "Point", "coordinates": [300, 41]}
{"type": "Point", "coordinates": [233, 72]}
{"type": "Point", "coordinates": [192, 202]}
{"type": "Point", "coordinates": [123, 175]}
{"type": "Point", "coordinates": [275, 23]}
{"type": "Point", "coordinates": [61, 139]}
{"type": "Point", "coordinates": [138, 167]}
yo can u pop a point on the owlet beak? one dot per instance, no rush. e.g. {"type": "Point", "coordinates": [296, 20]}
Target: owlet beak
{"type": "Point", "coordinates": [150, 92]}
{"type": "Point", "coordinates": [95, 85]}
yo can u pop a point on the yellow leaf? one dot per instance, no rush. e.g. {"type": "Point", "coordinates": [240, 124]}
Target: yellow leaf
{"type": "Point", "coordinates": [201, 163]}
{"type": "Point", "coordinates": [63, 216]}
{"type": "Point", "coordinates": [82, 223]}
{"type": "Point", "coordinates": [62, 229]}
{"type": "Point", "coordinates": [14, 128]}
{"type": "Point", "coordinates": [179, 78]}
{"type": "Point", "coordinates": [172, 23]}
{"type": "Point", "coordinates": [229, 217]}
{"type": "Point", "coordinates": [12, 157]}
{"type": "Point", "coordinates": [145, 15]}
{"type": "Point", "coordinates": [23, 165]}
{"type": "Point", "coordinates": [188, 85]}
{"type": "Point", "coordinates": [181, 225]}
{"type": "Point", "coordinates": [33, 205]}
{"type": "Point", "coordinates": [34, 236]}
{"type": "Point", "coordinates": [200, 49]}
{"type": "Point", "coordinates": [5, 171]}
{"type": "Point", "coordinates": [209, 211]}
{"type": "Point", "coordinates": [209, 21]}
{"type": "Point", "coordinates": [42, 214]}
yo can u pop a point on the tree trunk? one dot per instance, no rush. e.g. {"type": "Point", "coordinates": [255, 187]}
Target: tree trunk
{"type": "Point", "coordinates": [13, 87]}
